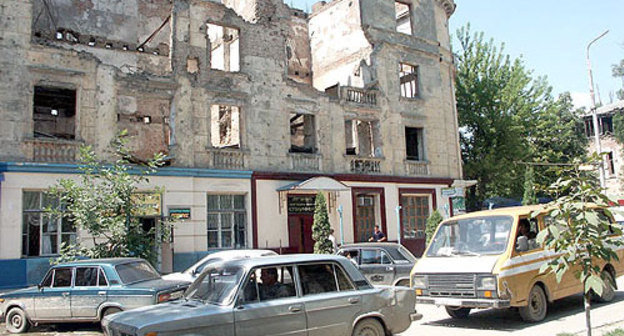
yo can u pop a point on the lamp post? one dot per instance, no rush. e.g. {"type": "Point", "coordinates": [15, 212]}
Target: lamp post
{"type": "Point", "coordinates": [593, 109]}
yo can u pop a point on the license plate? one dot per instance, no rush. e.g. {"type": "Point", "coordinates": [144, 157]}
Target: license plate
{"type": "Point", "coordinates": [446, 302]}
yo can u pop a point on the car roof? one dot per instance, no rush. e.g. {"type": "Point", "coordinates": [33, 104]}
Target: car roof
{"type": "Point", "coordinates": [104, 261]}
{"type": "Point", "coordinates": [374, 245]}
{"type": "Point", "coordinates": [285, 259]}
{"type": "Point", "coordinates": [509, 211]}
{"type": "Point", "coordinates": [244, 252]}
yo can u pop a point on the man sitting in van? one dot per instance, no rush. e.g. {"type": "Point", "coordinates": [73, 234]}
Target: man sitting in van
{"type": "Point", "coordinates": [524, 230]}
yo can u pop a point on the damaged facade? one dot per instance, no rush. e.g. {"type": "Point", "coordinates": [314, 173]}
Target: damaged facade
{"type": "Point", "coordinates": [249, 99]}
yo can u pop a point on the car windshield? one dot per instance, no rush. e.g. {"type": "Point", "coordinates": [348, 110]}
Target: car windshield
{"type": "Point", "coordinates": [402, 255]}
{"type": "Point", "coordinates": [136, 271]}
{"type": "Point", "coordinates": [473, 236]}
{"type": "Point", "coordinates": [216, 284]}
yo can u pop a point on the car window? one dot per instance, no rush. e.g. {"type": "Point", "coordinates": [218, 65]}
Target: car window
{"type": "Point", "coordinates": [269, 283]}
{"type": "Point", "coordinates": [216, 284]}
{"type": "Point", "coordinates": [102, 279]}
{"type": "Point", "coordinates": [401, 255]}
{"type": "Point", "coordinates": [206, 263]}
{"type": "Point", "coordinates": [350, 254]}
{"type": "Point", "coordinates": [86, 276]}
{"type": "Point", "coordinates": [62, 277]}
{"type": "Point", "coordinates": [371, 257]}
{"type": "Point", "coordinates": [136, 271]}
{"type": "Point", "coordinates": [47, 281]}
{"type": "Point", "coordinates": [323, 278]}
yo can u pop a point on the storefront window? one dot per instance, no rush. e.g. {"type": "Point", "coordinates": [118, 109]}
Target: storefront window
{"type": "Point", "coordinates": [42, 232]}
{"type": "Point", "coordinates": [226, 221]}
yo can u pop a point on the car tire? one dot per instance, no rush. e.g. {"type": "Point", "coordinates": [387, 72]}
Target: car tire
{"type": "Point", "coordinates": [537, 308]}
{"type": "Point", "coordinates": [110, 311]}
{"type": "Point", "coordinates": [457, 312]}
{"type": "Point", "coordinates": [608, 292]}
{"type": "Point", "coordinates": [404, 283]}
{"type": "Point", "coordinates": [16, 321]}
{"type": "Point", "coordinates": [368, 327]}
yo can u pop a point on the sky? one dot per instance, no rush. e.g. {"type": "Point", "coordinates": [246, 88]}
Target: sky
{"type": "Point", "coordinates": [551, 36]}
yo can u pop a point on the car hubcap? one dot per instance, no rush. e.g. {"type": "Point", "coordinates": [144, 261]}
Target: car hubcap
{"type": "Point", "coordinates": [536, 304]}
{"type": "Point", "coordinates": [16, 321]}
{"type": "Point", "coordinates": [369, 332]}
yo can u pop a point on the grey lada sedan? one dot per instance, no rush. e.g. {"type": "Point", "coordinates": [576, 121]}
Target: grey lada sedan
{"type": "Point", "coordinates": [86, 291]}
{"type": "Point", "coordinates": [283, 295]}
{"type": "Point", "coordinates": [381, 263]}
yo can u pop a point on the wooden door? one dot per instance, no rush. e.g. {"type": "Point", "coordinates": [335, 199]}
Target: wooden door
{"type": "Point", "coordinates": [414, 214]}
{"type": "Point", "coordinates": [364, 217]}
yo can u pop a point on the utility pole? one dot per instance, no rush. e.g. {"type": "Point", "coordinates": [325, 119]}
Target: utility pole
{"type": "Point", "coordinates": [593, 111]}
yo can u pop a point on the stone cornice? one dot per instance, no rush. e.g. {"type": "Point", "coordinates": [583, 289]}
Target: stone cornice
{"type": "Point", "coordinates": [448, 5]}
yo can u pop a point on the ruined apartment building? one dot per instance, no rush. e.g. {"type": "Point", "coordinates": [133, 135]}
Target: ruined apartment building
{"type": "Point", "coordinates": [258, 107]}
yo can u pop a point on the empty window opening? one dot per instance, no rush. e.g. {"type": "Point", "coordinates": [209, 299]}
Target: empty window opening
{"type": "Point", "coordinates": [403, 18]}
{"type": "Point", "coordinates": [362, 138]}
{"type": "Point", "coordinates": [225, 126]}
{"type": "Point", "coordinates": [302, 133]}
{"type": "Point", "coordinates": [414, 143]}
{"type": "Point", "coordinates": [224, 47]}
{"type": "Point", "coordinates": [408, 75]}
{"type": "Point", "coordinates": [610, 164]}
{"type": "Point", "coordinates": [54, 113]}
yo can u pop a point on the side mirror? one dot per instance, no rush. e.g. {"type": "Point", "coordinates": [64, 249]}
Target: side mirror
{"type": "Point", "coordinates": [522, 244]}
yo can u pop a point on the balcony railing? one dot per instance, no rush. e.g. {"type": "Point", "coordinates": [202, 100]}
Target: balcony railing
{"type": "Point", "coordinates": [358, 96]}
{"type": "Point", "coordinates": [305, 162]}
{"type": "Point", "coordinates": [417, 167]}
{"type": "Point", "coordinates": [365, 165]}
{"type": "Point", "coordinates": [49, 150]}
{"type": "Point", "coordinates": [233, 159]}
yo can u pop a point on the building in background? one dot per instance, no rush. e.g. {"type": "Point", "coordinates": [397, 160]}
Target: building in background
{"type": "Point", "coordinates": [257, 105]}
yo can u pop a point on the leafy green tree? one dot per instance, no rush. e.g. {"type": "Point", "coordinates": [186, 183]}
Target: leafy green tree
{"type": "Point", "coordinates": [100, 202]}
{"type": "Point", "coordinates": [529, 187]}
{"type": "Point", "coordinates": [505, 117]}
{"type": "Point", "coordinates": [618, 127]}
{"type": "Point", "coordinates": [580, 234]}
{"type": "Point", "coordinates": [320, 227]}
{"type": "Point", "coordinates": [432, 224]}
{"type": "Point", "coordinates": [618, 71]}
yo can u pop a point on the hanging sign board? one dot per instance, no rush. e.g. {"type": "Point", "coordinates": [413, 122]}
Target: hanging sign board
{"type": "Point", "coordinates": [449, 192]}
{"type": "Point", "coordinates": [180, 213]}
{"type": "Point", "coordinates": [301, 204]}
{"type": "Point", "coordinates": [146, 204]}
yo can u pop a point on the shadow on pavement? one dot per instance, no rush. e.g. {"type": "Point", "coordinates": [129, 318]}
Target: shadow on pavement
{"type": "Point", "coordinates": [60, 329]}
{"type": "Point", "coordinates": [509, 319]}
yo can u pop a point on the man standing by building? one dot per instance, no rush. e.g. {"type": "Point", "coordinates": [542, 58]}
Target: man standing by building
{"type": "Point", "coordinates": [332, 239]}
{"type": "Point", "coordinates": [378, 236]}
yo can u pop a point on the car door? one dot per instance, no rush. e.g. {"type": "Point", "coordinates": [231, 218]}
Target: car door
{"type": "Point", "coordinates": [265, 308]}
{"type": "Point", "coordinates": [330, 298]}
{"type": "Point", "coordinates": [376, 266]}
{"type": "Point", "coordinates": [53, 303]}
{"type": "Point", "coordinates": [89, 292]}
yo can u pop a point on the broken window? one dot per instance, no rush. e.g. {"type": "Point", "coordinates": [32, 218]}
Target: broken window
{"type": "Point", "coordinates": [403, 18]}
{"type": "Point", "coordinates": [414, 144]}
{"type": "Point", "coordinates": [224, 47]}
{"type": "Point", "coordinates": [54, 113]}
{"type": "Point", "coordinates": [225, 126]}
{"type": "Point", "coordinates": [302, 133]}
{"type": "Point", "coordinates": [610, 164]}
{"type": "Point", "coordinates": [362, 138]}
{"type": "Point", "coordinates": [408, 75]}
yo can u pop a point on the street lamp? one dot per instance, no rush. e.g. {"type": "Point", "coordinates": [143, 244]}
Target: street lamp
{"type": "Point", "coordinates": [594, 115]}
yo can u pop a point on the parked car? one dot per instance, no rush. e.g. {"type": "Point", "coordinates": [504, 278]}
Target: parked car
{"type": "Point", "coordinates": [192, 272]}
{"type": "Point", "coordinates": [290, 294]}
{"type": "Point", "coordinates": [86, 291]}
{"type": "Point", "coordinates": [381, 263]}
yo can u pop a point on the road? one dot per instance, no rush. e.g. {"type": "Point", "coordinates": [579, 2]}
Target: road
{"type": "Point", "coordinates": [563, 316]}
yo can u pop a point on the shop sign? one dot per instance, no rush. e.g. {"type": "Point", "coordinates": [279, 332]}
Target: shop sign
{"type": "Point", "coordinates": [449, 192]}
{"type": "Point", "coordinates": [301, 204]}
{"type": "Point", "coordinates": [180, 213]}
{"type": "Point", "coordinates": [146, 204]}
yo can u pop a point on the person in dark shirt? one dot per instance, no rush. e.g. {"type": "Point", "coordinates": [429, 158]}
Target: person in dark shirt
{"type": "Point", "coordinates": [378, 236]}
{"type": "Point", "coordinates": [271, 288]}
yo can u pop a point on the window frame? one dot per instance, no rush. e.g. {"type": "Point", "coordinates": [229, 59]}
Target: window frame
{"type": "Point", "coordinates": [406, 79]}
{"type": "Point", "coordinates": [100, 272]}
{"type": "Point", "coordinates": [419, 134]}
{"type": "Point", "coordinates": [219, 228]}
{"type": "Point", "coordinates": [308, 119]}
{"type": "Point", "coordinates": [398, 17]}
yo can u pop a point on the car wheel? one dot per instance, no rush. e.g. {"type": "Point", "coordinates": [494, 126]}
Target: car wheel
{"type": "Point", "coordinates": [110, 311]}
{"type": "Point", "coordinates": [404, 283]}
{"type": "Point", "coordinates": [16, 321]}
{"type": "Point", "coordinates": [457, 312]}
{"type": "Point", "coordinates": [368, 327]}
{"type": "Point", "coordinates": [536, 310]}
{"type": "Point", "coordinates": [608, 291]}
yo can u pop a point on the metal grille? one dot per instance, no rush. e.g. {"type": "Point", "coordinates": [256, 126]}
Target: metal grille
{"type": "Point", "coordinates": [452, 285]}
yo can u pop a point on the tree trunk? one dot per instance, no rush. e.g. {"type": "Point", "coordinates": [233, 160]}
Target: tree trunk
{"type": "Point", "coordinates": [587, 304]}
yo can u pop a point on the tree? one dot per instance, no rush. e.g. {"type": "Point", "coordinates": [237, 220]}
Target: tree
{"type": "Point", "coordinates": [505, 116]}
{"type": "Point", "coordinates": [320, 227]}
{"type": "Point", "coordinates": [580, 234]}
{"type": "Point", "coordinates": [529, 187]}
{"type": "Point", "coordinates": [618, 71]}
{"type": "Point", "coordinates": [432, 224]}
{"type": "Point", "coordinates": [101, 203]}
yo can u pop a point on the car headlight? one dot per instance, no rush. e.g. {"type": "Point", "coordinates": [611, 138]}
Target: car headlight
{"type": "Point", "coordinates": [419, 282]}
{"type": "Point", "coordinates": [486, 283]}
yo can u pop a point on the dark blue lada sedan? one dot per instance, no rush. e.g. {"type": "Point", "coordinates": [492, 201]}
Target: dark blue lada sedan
{"type": "Point", "coordinates": [86, 291]}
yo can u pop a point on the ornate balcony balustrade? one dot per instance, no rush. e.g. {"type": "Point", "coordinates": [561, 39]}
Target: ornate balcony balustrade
{"type": "Point", "coordinates": [305, 162]}
{"type": "Point", "coordinates": [51, 150]}
{"type": "Point", "coordinates": [417, 167]}
{"type": "Point", "coordinates": [365, 165]}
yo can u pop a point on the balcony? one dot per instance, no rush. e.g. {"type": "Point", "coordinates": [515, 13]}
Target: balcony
{"type": "Point", "coordinates": [358, 96]}
{"type": "Point", "coordinates": [418, 168]}
{"type": "Point", "coordinates": [52, 150]}
{"type": "Point", "coordinates": [365, 165]}
{"type": "Point", "coordinates": [231, 159]}
{"type": "Point", "coordinates": [305, 162]}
